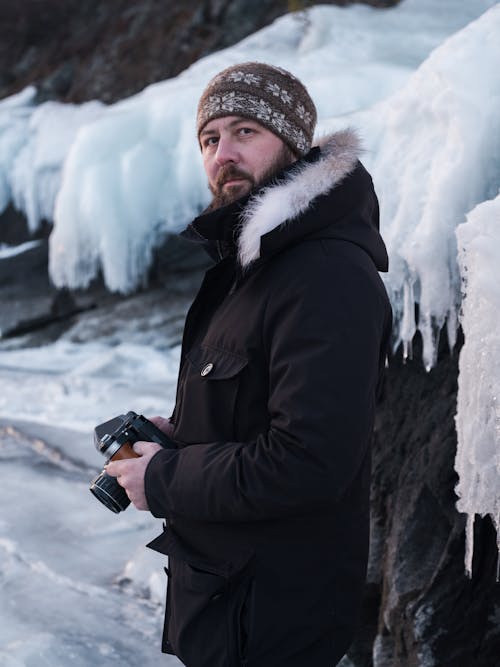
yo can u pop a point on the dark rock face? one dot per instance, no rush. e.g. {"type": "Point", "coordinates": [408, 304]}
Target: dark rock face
{"type": "Point", "coordinates": [76, 50]}
{"type": "Point", "coordinates": [29, 303]}
{"type": "Point", "coordinates": [33, 312]}
{"type": "Point", "coordinates": [421, 609]}
{"type": "Point", "coordinates": [14, 228]}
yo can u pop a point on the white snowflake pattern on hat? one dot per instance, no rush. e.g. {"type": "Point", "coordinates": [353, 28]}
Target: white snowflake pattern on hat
{"type": "Point", "coordinates": [279, 121]}
{"type": "Point", "coordinates": [224, 102]}
{"type": "Point", "coordinates": [304, 114]}
{"type": "Point", "coordinates": [245, 77]}
{"type": "Point", "coordinates": [264, 110]}
{"type": "Point", "coordinates": [277, 91]}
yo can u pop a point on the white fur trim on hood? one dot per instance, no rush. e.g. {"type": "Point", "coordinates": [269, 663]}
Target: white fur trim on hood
{"type": "Point", "coordinates": [288, 199]}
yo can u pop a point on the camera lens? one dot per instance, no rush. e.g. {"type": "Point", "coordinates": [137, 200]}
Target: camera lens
{"type": "Point", "coordinates": [106, 489]}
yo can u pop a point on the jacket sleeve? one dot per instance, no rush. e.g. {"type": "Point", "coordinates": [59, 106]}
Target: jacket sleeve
{"type": "Point", "coordinates": [322, 331]}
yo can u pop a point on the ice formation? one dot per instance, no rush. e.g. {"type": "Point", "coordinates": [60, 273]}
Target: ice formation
{"type": "Point", "coordinates": [435, 158]}
{"type": "Point", "coordinates": [135, 173]}
{"type": "Point", "coordinates": [478, 402]}
{"type": "Point", "coordinates": [34, 141]}
{"type": "Point", "coordinates": [124, 175]}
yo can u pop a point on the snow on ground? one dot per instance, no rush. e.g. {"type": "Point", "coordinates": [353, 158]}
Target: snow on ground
{"type": "Point", "coordinates": [73, 385]}
{"type": "Point", "coordinates": [77, 585]}
{"type": "Point", "coordinates": [67, 597]}
{"type": "Point", "coordinates": [115, 179]}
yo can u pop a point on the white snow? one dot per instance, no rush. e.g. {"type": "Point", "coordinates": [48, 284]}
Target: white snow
{"type": "Point", "coordinates": [115, 179]}
{"type": "Point", "coordinates": [478, 402]}
{"type": "Point", "coordinates": [67, 594]}
{"type": "Point", "coordinates": [77, 585]}
{"type": "Point", "coordinates": [75, 386]}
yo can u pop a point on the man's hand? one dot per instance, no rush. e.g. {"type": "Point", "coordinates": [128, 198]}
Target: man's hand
{"type": "Point", "coordinates": [130, 472]}
{"type": "Point", "coordinates": [163, 424]}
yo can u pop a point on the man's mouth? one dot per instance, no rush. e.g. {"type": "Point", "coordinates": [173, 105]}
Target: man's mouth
{"type": "Point", "coordinates": [234, 181]}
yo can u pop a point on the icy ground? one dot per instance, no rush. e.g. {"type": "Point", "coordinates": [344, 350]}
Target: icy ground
{"type": "Point", "coordinates": [68, 597]}
{"type": "Point", "coordinates": [77, 586]}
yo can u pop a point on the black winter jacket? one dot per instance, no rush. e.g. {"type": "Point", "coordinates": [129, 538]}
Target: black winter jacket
{"type": "Point", "coordinates": [267, 497]}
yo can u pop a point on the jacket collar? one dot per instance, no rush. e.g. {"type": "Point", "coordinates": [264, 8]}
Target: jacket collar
{"type": "Point", "coordinates": [291, 196]}
{"type": "Point", "coordinates": [239, 228]}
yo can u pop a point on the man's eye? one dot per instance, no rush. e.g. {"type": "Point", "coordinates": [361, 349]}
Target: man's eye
{"type": "Point", "coordinates": [246, 130]}
{"type": "Point", "coordinates": [210, 141]}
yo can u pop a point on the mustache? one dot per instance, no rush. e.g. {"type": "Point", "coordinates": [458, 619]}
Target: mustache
{"type": "Point", "coordinates": [229, 172]}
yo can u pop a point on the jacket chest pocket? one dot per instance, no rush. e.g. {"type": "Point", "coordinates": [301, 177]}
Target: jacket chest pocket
{"type": "Point", "coordinates": [206, 404]}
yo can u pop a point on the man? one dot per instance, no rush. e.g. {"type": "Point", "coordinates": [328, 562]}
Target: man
{"type": "Point", "coordinates": [266, 498]}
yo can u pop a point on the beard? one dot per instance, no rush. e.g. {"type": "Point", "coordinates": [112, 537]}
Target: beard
{"type": "Point", "coordinates": [222, 196]}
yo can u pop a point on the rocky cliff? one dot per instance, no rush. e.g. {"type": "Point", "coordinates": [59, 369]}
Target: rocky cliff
{"type": "Point", "coordinates": [424, 610]}
{"type": "Point", "coordinates": [76, 50]}
{"type": "Point", "coordinates": [420, 608]}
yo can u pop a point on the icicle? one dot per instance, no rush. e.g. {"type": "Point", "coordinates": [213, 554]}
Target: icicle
{"type": "Point", "coordinates": [469, 544]}
{"type": "Point", "coordinates": [452, 327]}
{"type": "Point", "coordinates": [408, 325]}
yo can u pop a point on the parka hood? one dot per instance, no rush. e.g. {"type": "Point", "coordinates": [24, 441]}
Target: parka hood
{"type": "Point", "coordinates": [327, 194]}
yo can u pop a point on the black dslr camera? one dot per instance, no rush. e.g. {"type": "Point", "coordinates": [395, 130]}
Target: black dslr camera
{"type": "Point", "coordinates": [114, 440]}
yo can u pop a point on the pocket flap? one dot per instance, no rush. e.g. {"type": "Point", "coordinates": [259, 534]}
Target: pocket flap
{"type": "Point", "coordinates": [170, 544]}
{"type": "Point", "coordinates": [216, 364]}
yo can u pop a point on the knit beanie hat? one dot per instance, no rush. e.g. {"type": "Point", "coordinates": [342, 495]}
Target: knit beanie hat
{"type": "Point", "coordinates": [267, 94]}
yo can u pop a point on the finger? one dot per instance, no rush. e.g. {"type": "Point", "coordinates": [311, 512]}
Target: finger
{"type": "Point", "coordinates": [146, 448]}
{"type": "Point", "coordinates": [114, 468]}
{"type": "Point", "coordinates": [110, 470]}
{"type": "Point", "coordinates": [163, 424]}
{"type": "Point", "coordinates": [157, 420]}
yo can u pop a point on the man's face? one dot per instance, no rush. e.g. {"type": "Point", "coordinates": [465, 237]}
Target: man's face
{"type": "Point", "coordinates": [239, 154]}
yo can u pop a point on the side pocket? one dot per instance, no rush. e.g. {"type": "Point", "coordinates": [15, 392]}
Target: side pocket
{"type": "Point", "coordinates": [205, 620]}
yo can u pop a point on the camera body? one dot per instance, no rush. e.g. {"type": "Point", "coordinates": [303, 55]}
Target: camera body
{"type": "Point", "coordinates": [114, 440]}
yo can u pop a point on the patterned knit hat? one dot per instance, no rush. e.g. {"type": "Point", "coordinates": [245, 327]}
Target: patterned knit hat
{"type": "Point", "coordinates": [269, 95]}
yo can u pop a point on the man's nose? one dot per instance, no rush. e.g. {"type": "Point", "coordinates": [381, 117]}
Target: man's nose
{"type": "Point", "coordinates": [226, 152]}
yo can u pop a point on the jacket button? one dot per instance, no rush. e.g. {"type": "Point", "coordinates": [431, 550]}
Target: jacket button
{"type": "Point", "coordinates": [206, 370]}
